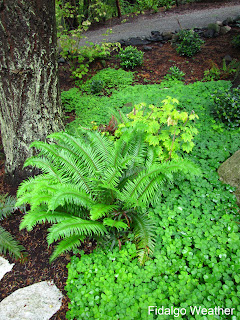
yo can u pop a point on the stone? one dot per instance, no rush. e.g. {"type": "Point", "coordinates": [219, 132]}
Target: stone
{"type": "Point", "coordinates": [61, 60]}
{"type": "Point", "coordinates": [209, 33]}
{"type": "Point", "coordinates": [137, 41]}
{"type": "Point", "coordinates": [167, 35]}
{"type": "Point", "coordinates": [214, 26]}
{"type": "Point", "coordinates": [229, 172]}
{"type": "Point", "coordinates": [227, 21]}
{"type": "Point", "coordinates": [225, 29]}
{"type": "Point", "coordinates": [219, 23]}
{"type": "Point", "coordinates": [228, 59]}
{"type": "Point", "coordinates": [155, 38]}
{"type": "Point", "coordinates": [155, 33]}
{"type": "Point", "coordinates": [147, 48]}
{"type": "Point", "coordinates": [5, 267]}
{"type": "Point", "coordinates": [36, 302]}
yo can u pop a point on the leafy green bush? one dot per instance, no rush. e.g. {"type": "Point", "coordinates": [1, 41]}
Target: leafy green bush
{"type": "Point", "coordinates": [174, 73]}
{"type": "Point", "coordinates": [166, 129]}
{"type": "Point", "coordinates": [226, 107]}
{"type": "Point", "coordinates": [236, 41]}
{"type": "Point", "coordinates": [96, 86]}
{"type": "Point", "coordinates": [92, 186]}
{"type": "Point", "coordinates": [7, 242]}
{"type": "Point", "coordinates": [188, 43]}
{"type": "Point", "coordinates": [130, 57]}
{"type": "Point", "coordinates": [112, 79]}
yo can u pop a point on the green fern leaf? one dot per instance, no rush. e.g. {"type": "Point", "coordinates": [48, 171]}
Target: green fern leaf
{"type": "Point", "coordinates": [8, 243]}
{"type": "Point", "coordinates": [69, 194]}
{"type": "Point", "coordinates": [75, 226]}
{"type": "Point", "coordinates": [67, 245]}
{"type": "Point", "coordinates": [99, 210]}
{"type": "Point", "coordinates": [144, 231]}
{"type": "Point", "coordinates": [41, 215]}
{"type": "Point", "coordinates": [114, 223]}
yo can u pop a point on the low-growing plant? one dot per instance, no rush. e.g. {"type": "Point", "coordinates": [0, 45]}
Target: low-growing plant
{"type": "Point", "coordinates": [7, 241]}
{"type": "Point", "coordinates": [111, 78]}
{"type": "Point", "coordinates": [226, 106]}
{"type": "Point", "coordinates": [174, 73]}
{"type": "Point", "coordinates": [217, 73]}
{"type": "Point", "coordinates": [96, 86]}
{"type": "Point", "coordinates": [92, 186]}
{"type": "Point", "coordinates": [194, 262]}
{"type": "Point", "coordinates": [80, 57]}
{"type": "Point", "coordinates": [187, 43]}
{"type": "Point", "coordinates": [130, 57]}
{"type": "Point", "coordinates": [236, 41]}
{"type": "Point", "coordinates": [167, 130]}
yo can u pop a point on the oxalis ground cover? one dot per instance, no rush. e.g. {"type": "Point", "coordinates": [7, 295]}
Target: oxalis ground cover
{"type": "Point", "coordinates": [196, 261]}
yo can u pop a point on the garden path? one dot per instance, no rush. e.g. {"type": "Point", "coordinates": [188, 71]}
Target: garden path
{"type": "Point", "coordinates": [163, 22]}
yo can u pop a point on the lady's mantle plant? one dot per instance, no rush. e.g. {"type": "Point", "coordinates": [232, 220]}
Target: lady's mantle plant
{"type": "Point", "coordinates": [91, 186]}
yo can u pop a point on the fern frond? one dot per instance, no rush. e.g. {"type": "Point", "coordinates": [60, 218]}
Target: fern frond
{"type": "Point", "coordinates": [7, 206]}
{"type": "Point", "coordinates": [114, 223]}
{"type": "Point", "coordinates": [67, 245]}
{"type": "Point", "coordinates": [75, 226]}
{"type": "Point", "coordinates": [144, 231]}
{"type": "Point", "coordinates": [28, 185]}
{"type": "Point", "coordinates": [102, 145]}
{"type": "Point", "coordinates": [143, 186]}
{"type": "Point", "coordinates": [72, 165]}
{"type": "Point", "coordinates": [99, 210]}
{"type": "Point", "coordinates": [66, 193]}
{"type": "Point", "coordinates": [41, 215]}
{"type": "Point", "coordinates": [8, 243]}
{"type": "Point", "coordinates": [141, 190]}
{"type": "Point", "coordinates": [79, 149]}
{"type": "Point", "coordinates": [45, 165]}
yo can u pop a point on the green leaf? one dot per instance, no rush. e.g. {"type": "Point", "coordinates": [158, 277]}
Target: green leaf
{"type": "Point", "coordinates": [114, 223]}
{"type": "Point", "coordinates": [99, 210]}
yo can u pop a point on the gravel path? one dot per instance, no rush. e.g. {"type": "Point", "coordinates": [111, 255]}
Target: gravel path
{"type": "Point", "coordinates": [163, 22]}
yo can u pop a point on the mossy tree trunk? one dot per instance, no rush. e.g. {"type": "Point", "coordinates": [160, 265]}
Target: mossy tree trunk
{"type": "Point", "coordinates": [30, 107]}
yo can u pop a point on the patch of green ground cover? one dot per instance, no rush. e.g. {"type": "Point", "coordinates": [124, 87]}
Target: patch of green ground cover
{"type": "Point", "coordinates": [196, 259]}
{"type": "Point", "coordinates": [112, 79]}
{"type": "Point", "coordinates": [99, 109]}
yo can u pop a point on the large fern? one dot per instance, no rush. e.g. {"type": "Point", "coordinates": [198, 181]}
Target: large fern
{"type": "Point", "coordinates": [7, 241]}
{"type": "Point", "coordinates": [92, 186]}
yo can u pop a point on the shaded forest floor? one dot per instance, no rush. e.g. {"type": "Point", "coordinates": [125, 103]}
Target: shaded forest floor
{"type": "Point", "coordinates": [157, 62]}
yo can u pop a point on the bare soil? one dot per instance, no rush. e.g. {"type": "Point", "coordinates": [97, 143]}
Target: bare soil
{"type": "Point", "coordinates": [157, 62]}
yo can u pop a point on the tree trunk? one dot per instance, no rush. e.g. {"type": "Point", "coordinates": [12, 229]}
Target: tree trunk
{"type": "Point", "coordinates": [118, 9]}
{"type": "Point", "coordinates": [30, 106]}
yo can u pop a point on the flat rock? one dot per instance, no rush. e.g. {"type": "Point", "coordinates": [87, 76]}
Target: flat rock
{"type": "Point", "coordinates": [225, 29]}
{"type": "Point", "coordinates": [36, 302]}
{"type": "Point", "coordinates": [5, 267]}
{"type": "Point", "coordinates": [229, 172]}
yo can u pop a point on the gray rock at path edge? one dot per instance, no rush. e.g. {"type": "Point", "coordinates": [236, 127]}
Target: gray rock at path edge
{"type": "Point", "coordinates": [36, 302]}
{"type": "Point", "coordinates": [5, 267]}
{"type": "Point", "coordinates": [229, 172]}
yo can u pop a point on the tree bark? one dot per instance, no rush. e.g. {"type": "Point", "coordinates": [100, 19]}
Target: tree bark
{"type": "Point", "coordinates": [118, 9]}
{"type": "Point", "coordinates": [30, 107]}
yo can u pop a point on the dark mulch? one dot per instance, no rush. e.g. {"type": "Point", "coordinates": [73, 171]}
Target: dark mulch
{"type": "Point", "coordinates": [36, 267]}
